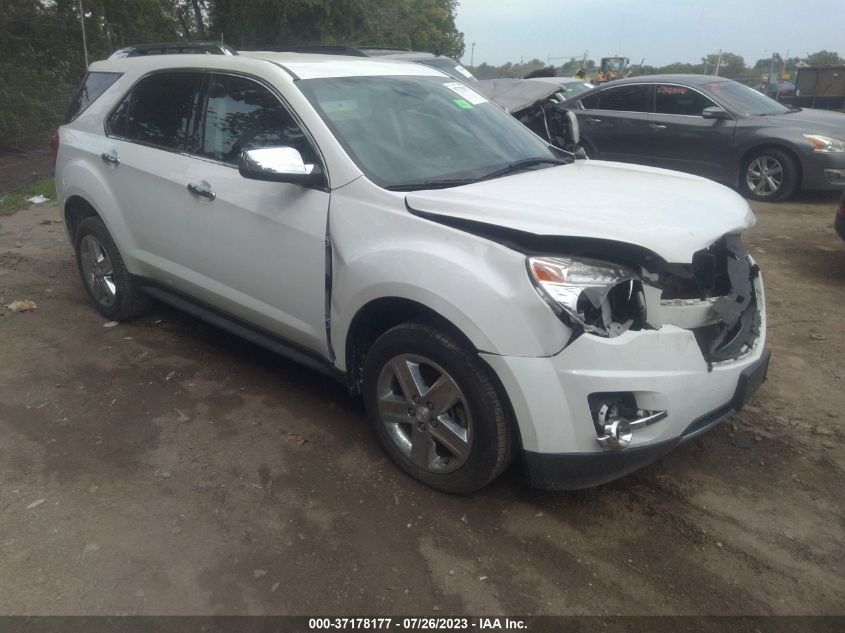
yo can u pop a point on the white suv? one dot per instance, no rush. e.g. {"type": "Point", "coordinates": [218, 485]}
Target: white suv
{"type": "Point", "coordinates": [489, 296]}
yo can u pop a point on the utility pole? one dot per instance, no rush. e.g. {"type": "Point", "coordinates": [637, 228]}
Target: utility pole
{"type": "Point", "coordinates": [718, 62]}
{"type": "Point", "coordinates": [472, 56]}
{"type": "Point", "coordinates": [84, 41]}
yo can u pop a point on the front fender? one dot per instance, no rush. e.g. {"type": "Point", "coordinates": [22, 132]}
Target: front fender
{"type": "Point", "coordinates": [479, 286]}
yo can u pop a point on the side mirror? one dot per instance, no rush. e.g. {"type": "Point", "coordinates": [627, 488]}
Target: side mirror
{"type": "Point", "coordinates": [279, 164]}
{"type": "Point", "coordinates": [715, 112]}
{"type": "Point", "coordinates": [574, 129]}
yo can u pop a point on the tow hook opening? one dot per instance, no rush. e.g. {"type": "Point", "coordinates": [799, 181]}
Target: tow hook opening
{"type": "Point", "coordinates": [616, 416]}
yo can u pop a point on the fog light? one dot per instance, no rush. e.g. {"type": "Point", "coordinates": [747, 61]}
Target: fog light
{"type": "Point", "coordinates": [616, 417]}
{"type": "Point", "coordinates": [617, 434]}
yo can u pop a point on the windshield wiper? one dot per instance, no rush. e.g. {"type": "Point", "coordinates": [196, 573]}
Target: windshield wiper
{"type": "Point", "coordinates": [431, 184]}
{"type": "Point", "coordinates": [522, 164]}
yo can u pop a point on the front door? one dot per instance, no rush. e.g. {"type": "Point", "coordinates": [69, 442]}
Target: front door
{"type": "Point", "coordinates": [255, 249]}
{"type": "Point", "coordinates": [682, 139]}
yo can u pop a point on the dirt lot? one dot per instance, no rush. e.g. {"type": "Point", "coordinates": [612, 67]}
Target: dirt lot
{"type": "Point", "coordinates": [164, 467]}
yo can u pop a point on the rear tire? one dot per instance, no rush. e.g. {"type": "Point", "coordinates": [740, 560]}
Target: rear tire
{"type": "Point", "coordinates": [435, 409]}
{"type": "Point", "coordinates": [769, 175]}
{"type": "Point", "coordinates": [116, 293]}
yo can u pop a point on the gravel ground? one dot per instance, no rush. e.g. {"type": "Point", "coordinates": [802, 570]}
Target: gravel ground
{"type": "Point", "coordinates": [164, 467]}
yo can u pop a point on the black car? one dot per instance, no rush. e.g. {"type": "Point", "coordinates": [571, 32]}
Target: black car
{"type": "Point", "coordinates": [782, 91]}
{"type": "Point", "coordinates": [717, 128]}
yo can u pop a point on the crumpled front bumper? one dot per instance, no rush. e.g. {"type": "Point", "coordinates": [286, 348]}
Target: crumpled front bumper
{"type": "Point", "coordinates": [664, 369]}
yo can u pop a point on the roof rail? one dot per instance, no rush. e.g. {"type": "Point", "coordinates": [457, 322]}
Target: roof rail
{"type": "Point", "coordinates": [184, 47]}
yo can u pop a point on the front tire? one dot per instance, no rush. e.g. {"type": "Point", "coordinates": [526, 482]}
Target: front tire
{"type": "Point", "coordinates": [769, 175]}
{"type": "Point", "coordinates": [435, 409]}
{"type": "Point", "coordinates": [116, 294]}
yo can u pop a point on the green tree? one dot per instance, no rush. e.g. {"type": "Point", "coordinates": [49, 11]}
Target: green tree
{"type": "Point", "coordinates": [825, 58]}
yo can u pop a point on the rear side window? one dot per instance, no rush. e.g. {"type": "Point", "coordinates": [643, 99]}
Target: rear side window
{"type": "Point", "coordinates": [241, 115]}
{"type": "Point", "coordinates": [630, 98]}
{"type": "Point", "coordinates": [679, 100]}
{"type": "Point", "coordinates": [159, 110]}
{"type": "Point", "coordinates": [94, 85]}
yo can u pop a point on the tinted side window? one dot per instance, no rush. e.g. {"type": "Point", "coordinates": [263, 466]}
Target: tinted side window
{"type": "Point", "coordinates": [591, 102]}
{"type": "Point", "coordinates": [160, 109]}
{"type": "Point", "coordinates": [92, 87]}
{"type": "Point", "coordinates": [679, 100]}
{"type": "Point", "coordinates": [241, 115]}
{"type": "Point", "coordinates": [631, 98]}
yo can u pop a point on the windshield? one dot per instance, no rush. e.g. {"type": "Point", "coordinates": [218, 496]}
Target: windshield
{"type": "Point", "coordinates": [744, 100]}
{"type": "Point", "coordinates": [408, 130]}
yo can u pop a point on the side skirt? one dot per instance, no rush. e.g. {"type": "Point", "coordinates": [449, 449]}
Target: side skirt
{"type": "Point", "coordinates": [252, 333]}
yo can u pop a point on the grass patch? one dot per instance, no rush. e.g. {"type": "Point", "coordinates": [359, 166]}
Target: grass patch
{"type": "Point", "coordinates": [15, 201]}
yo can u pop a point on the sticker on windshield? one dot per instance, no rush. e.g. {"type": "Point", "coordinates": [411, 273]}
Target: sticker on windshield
{"type": "Point", "coordinates": [463, 71]}
{"type": "Point", "coordinates": [467, 93]}
{"type": "Point", "coordinates": [462, 103]}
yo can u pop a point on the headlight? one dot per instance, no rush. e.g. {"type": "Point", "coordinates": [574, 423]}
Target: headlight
{"type": "Point", "coordinates": [825, 143]}
{"type": "Point", "coordinates": [593, 296]}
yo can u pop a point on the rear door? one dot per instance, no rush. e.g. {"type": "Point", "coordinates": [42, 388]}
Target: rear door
{"type": "Point", "coordinates": [682, 139]}
{"type": "Point", "coordinates": [255, 249]}
{"type": "Point", "coordinates": [614, 122]}
{"type": "Point", "coordinates": [146, 163]}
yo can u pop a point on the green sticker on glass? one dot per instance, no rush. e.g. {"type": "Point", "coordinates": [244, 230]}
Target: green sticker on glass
{"type": "Point", "coordinates": [462, 103]}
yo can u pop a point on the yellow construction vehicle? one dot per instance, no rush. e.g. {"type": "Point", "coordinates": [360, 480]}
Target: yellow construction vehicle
{"type": "Point", "coordinates": [612, 68]}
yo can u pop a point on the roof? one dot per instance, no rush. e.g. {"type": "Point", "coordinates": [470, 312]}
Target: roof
{"type": "Point", "coordinates": [312, 66]}
{"type": "Point", "coordinates": [692, 80]}
{"type": "Point", "coordinates": [302, 66]}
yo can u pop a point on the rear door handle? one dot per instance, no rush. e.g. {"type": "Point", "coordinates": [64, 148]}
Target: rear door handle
{"type": "Point", "coordinates": [657, 126]}
{"type": "Point", "coordinates": [202, 190]}
{"type": "Point", "coordinates": [110, 158]}
{"type": "Point", "coordinates": [593, 120]}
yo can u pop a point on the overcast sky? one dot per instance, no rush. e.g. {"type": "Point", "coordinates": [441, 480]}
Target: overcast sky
{"type": "Point", "coordinates": [661, 31]}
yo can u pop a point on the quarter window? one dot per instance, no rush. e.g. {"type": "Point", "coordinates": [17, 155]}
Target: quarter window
{"type": "Point", "coordinates": [630, 98]}
{"type": "Point", "coordinates": [94, 85]}
{"type": "Point", "coordinates": [679, 100]}
{"type": "Point", "coordinates": [242, 115]}
{"type": "Point", "coordinates": [159, 110]}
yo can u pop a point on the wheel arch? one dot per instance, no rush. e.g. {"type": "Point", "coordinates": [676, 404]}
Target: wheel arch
{"type": "Point", "coordinates": [76, 209]}
{"type": "Point", "coordinates": [375, 318]}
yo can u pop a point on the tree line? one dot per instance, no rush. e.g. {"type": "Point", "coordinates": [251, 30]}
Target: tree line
{"type": "Point", "coordinates": [730, 65]}
{"type": "Point", "coordinates": [42, 58]}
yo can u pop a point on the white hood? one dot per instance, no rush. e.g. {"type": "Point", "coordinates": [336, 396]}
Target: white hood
{"type": "Point", "coordinates": [667, 212]}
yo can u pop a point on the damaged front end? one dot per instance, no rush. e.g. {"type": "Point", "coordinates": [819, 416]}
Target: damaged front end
{"type": "Point", "coordinates": [716, 298]}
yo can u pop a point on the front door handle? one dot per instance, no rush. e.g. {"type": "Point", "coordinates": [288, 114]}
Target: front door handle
{"type": "Point", "coordinates": [202, 190]}
{"type": "Point", "coordinates": [657, 126]}
{"type": "Point", "coordinates": [110, 158]}
{"type": "Point", "coordinates": [593, 120]}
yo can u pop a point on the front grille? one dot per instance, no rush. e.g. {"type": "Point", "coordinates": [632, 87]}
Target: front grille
{"type": "Point", "coordinates": [722, 272]}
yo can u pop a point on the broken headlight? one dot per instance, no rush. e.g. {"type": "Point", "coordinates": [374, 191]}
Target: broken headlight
{"type": "Point", "coordinates": [589, 295]}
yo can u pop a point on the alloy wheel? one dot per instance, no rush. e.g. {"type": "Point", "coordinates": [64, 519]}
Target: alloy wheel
{"type": "Point", "coordinates": [97, 270]}
{"type": "Point", "coordinates": [425, 413]}
{"type": "Point", "coordinates": [764, 176]}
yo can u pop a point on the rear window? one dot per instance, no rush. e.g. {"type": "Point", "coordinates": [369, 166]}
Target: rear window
{"type": "Point", "coordinates": [630, 98]}
{"type": "Point", "coordinates": [94, 85]}
{"type": "Point", "coordinates": [158, 111]}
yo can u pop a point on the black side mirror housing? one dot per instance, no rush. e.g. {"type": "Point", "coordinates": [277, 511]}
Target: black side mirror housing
{"type": "Point", "coordinates": [715, 112]}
